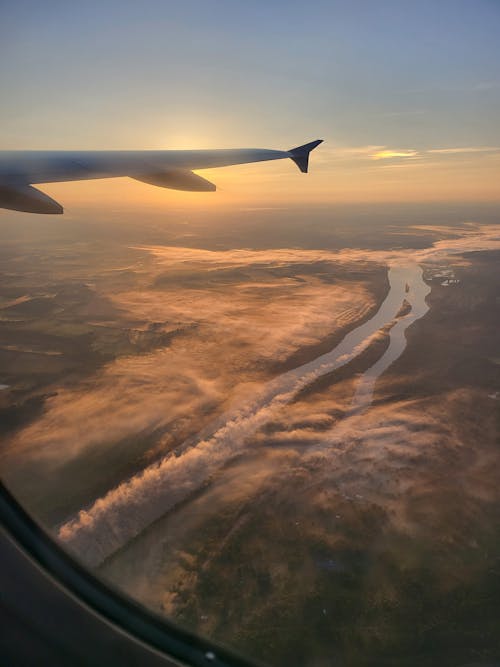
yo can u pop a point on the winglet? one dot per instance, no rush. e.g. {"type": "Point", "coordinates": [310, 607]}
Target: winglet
{"type": "Point", "coordinates": [300, 155]}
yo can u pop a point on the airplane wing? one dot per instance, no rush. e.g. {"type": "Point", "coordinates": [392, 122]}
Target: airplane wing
{"type": "Point", "coordinates": [19, 170]}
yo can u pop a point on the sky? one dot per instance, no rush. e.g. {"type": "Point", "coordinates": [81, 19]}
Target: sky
{"type": "Point", "coordinates": [405, 94]}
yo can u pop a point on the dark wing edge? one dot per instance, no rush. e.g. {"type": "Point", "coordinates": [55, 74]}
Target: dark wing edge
{"type": "Point", "coordinates": [300, 155]}
{"type": "Point", "coordinates": [177, 179]}
{"type": "Point", "coordinates": [23, 197]}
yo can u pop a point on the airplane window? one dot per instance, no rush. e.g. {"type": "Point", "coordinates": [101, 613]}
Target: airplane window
{"type": "Point", "coordinates": [248, 378]}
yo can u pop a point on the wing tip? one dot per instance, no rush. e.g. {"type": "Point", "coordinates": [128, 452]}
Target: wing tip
{"type": "Point", "coordinates": [300, 154]}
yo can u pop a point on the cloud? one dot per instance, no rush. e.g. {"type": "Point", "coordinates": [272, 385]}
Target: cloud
{"type": "Point", "coordinates": [465, 149]}
{"type": "Point", "coordinates": [368, 152]}
{"type": "Point", "coordinates": [390, 153]}
{"type": "Point", "coordinates": [194, 377]}
{"type": "Point", "coordinates": [359, 155]}
{"type": "Point", "coordinates": [401, 462]}
{"type": "Point", "coordinates": [232, 316]}
{"type": "Point", "coordinates": [126, 510]}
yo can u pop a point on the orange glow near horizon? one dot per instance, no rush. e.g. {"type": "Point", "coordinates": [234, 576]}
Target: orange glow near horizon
{"type": "Point", "coordinates": [436, 177]}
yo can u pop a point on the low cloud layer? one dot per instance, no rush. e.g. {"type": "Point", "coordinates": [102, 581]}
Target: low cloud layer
{"type": "Point", "coordinates": [251, 308]}
{"type": "Point", "coordinates": [120, 515]}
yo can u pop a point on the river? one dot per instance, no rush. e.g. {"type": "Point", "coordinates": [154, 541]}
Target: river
{"type": "Point", "coordinates": [415, 294]}
{"type": "Point", "coordinates": [126, 510]}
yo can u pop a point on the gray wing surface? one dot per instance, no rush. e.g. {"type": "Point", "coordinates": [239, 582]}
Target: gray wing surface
{"type": "Point", "coordinates": [173, 169]}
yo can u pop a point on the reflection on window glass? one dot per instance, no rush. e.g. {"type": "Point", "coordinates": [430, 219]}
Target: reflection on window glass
{"type": "Point", "coordinates": [269, 412]}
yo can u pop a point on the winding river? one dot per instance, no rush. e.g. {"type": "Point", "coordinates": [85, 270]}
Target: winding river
{"type": "Point", "coordinates": [405, 282]}
{"type": "Point", "coordinates": [415, 294]}
{"type": "Point", "coordinates": [130, 507]}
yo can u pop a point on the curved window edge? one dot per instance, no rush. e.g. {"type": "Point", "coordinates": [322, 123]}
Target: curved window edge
{"type": "Point", "coordinates": [52, 603]}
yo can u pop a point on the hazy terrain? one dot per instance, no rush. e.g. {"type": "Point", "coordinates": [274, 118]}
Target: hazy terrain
{"type": "Point", "coordinates": [169, 409]}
